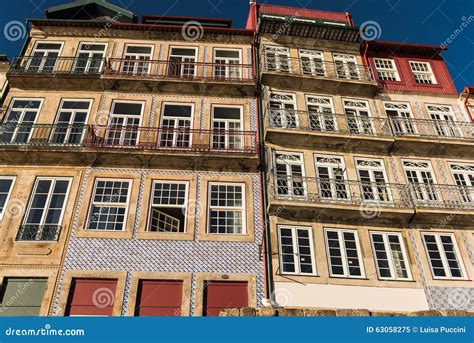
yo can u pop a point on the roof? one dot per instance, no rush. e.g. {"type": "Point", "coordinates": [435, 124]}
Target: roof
{"type": "Point", "coordinates": [305, 13]}
{"type": "Point", "coordinates": [405, 48]}
{"type": "Point", "coordinates": [135, 26]}
{"type": "Point", "coordinates": [89, 10]}
{"type": "Point", "coordinates": [173, 20]}
{"type": "Point", "coordinates": [3, 58]}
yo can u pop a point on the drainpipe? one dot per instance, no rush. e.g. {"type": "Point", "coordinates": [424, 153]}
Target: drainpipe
{"type": "Point", "coordinates": [263, 186]}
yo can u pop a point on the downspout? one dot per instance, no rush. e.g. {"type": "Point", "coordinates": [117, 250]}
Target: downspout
{"type": "Point", "coordinates": [263, 185]}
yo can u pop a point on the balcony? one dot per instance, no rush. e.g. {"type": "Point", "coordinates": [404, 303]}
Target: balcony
{"type": "Point", "coordinates": [319, 198]}
{"type": "Point", "coordinates": [446, 204]}
{"type": "Point", "coordinates": [164, 75]}
{"type": "Point", "coordinates": [52, 72]}
{"type": "Point", "coordinates": [38, 233]}
{"type": "Point", "coordinates": [332, 77]}
{"type": "Point", "coordinates": [433, 137]}
{"type": "Point", "coordinates": [316, 130]}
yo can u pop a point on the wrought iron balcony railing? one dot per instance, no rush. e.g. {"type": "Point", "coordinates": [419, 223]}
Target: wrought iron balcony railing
{"type": "Point", "coordinates": [338, 124]}
{"type": "Point", "coordinates": [57, 65]}
{"type": "Point", "coordinates": [39, 233]}
{"type": "Point", "coordinates": [446, 129]}
{"type": "Point", "coordinates": [343, 192]}
{"type": "Point", "coordinates": [161, 69]}
{"type": "Point", "coordinates": [316, 68]}
{"type": "Point", "coordinates": [177, 139]}
{"type": "Point", "coordinates": [13, 133]}
{"type": "Point", "coordinates": [454, 197]}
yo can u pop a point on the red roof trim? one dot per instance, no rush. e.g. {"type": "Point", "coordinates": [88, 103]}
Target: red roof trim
{"type": "Point", "coordinates": [308, 13]}
{"type": "Point", "coordinates": [219, 20]}
{"type": "Point", "coordinates": [387, 44]}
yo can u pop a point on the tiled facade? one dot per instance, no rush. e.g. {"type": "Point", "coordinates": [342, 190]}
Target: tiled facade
{"type": "Point", "coordinates": [289, 163]}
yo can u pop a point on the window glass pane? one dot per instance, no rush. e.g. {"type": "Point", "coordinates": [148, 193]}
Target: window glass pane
{"type": "Point", "coordinates": [227, 113]}
{"type": "Point", "coordinates": [139, 49]}
{"type": "Point", "coordinates": [183, 52]}
{"type": "Point", "coordinates": [177, 110]}
{"type": "Point", "coordinates": [127, 108]}
{"type": "Point", "coordinates": [227, 53]}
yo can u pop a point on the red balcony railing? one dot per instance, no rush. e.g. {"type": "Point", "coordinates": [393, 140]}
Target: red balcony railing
{"type": "Point", "coordinates": [172, 139]}
{"type": "Point", "coordinates": [157, 69]}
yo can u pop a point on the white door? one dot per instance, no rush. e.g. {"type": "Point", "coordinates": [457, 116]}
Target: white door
{"type": "Point", "coordinates": [312, 62]}
{"type": "Point", "coordinates": [358, 117]}
{"type": "Point", "coordinates": [44, 57]}
{"type": "Point", "coordinates": [321, 113]}
{"type": "Point", "coordinates": [226, 128]}
{"type": "Point", "coordinates": [124, 123]}
{"type": "Point", "coordinates": [277, 59]}
{"type": "Point", "coordinates": [283, 110]}
{"type": "Point", "coordinates": [374, 184]}
{"type": "Point", "coordinates": [346, 66]}
{"type": "Point", "coordinates": [227, 64]}
{"type": "Point", "coordinates": [420, 176]}
{"type": "Point", "coordinates": [464, 177]}
{"type": "Point", "coordinates": [136, 59]}
{"type": "Point", "coordinates": [89, 58]}
{"type": "Point", "coordinates": [331, 175]}
{"type": "Point", "coordinates": [400, 117]}
{"type": "Point", "coordinates": [176, 125]}
{"type": "Point", "coordinates": [289, 178]}
{"type": "Point", "coordinates": [444, 123]}
{"type": "Point", "coordinates": [182, 62]}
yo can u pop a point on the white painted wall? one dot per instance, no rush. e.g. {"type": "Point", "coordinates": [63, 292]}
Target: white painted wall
{"type": "Point", "coordinates": [292, 294]}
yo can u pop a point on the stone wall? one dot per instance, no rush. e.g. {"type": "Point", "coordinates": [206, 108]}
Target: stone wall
{"type": "Point", "coordinates": [324, 312]}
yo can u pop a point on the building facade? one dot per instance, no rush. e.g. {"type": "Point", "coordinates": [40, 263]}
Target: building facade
{"type": "Point", "coordinates": [131, 151]}
{"type": "Point", "coordinates": [368, 164]}
{"type": "Point", "coordinates": [179, 166]}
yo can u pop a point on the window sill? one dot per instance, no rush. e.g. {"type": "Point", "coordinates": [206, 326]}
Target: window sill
{"type": "Point", "coordinates": [221, 237]}
{"type": "Point", "coordinates": [166, 236]}
{"type": "Point", "coordinates": [127, 234]}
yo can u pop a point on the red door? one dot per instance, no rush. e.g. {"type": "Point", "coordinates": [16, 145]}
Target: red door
{"type": "Point", "coordinates": [222, 294]}
{"type": "Point", "coordinates": [159, 298]}
{"type": "Point", "coordinates": [91, 297]}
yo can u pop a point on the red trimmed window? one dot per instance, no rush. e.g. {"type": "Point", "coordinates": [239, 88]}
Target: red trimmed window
{"type": "Point", "coordinates": [91, 297]}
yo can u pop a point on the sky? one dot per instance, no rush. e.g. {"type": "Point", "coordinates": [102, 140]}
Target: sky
{"type": "Point", "coordinates": [415, 21]}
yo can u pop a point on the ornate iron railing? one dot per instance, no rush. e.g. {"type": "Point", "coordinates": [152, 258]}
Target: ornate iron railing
{"type": "Point", "coordinates": [443, 196]}
{"type": "Point", "coordinates": [57, 65]}
{"type": "Point", "coordinates": [13, 133]}
{"type": "Point", "coordinates": [445, 129]}
{"type": "Point", "coordinates": [38, 233]}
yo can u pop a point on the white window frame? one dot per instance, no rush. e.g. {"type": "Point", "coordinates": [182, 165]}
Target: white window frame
{"type": "Point", "coordinates": [281, 53]}
{"type": "Point", "coordinates": [13, 179]}
{"type": "Point", "coordinates": [467, 191]}
{"type": "Point", "coordinates": [425, 187]}
{"type": "Point", "coordinates": [443, 121]}
{"type": "Point", "coordinates": [44, 57]}
{"type": "Point", "coordinates": [321, 116]}
{"type": "Point", "coordinates": [289, 174]}
{"type": "Point", "coordinates": [238, 138]}
{"type": "Point", "coordinates": [345, 59]}
{"type": "Point", "coordinates": [183, 62]}
{"type": "Point", "coordinates": [136, 60]}
{"type": "Point", "coordinates": [123, 129]}
{"type": "Point", "coordinates": [176, 127]}
{"type": "Point", "coordinates": [342, 246]}
{"type": "Point", "coordinates": [48, 200]}
{"type": "Point", "coordinates": [184, 207]}
{"type": "Point", "coordinates": [383, 69]}
{"type": "Point", "coordinates": [442, 253]}
{"type": "Point", "coordinates": [229, 67]}
{"type": "Point", "coordinates": [22, 115]}
{"type": "Point", "coordinates": [332, 178]}
{"type": "Point", "coordinates": [404, 124]}
{"type": "Point", "coordinates": [283, 114]}
{"type": "Point", "coordinates": [79, 51]}
{"type": "Point", "coordinates": [424, 73]}
{"type": "Point", "coordinates": [388, 251]}
{"type": "Point", "coordinates": [311, 55]}
{"type": "Point", "coordinates": [296, 254]}
{"type": "Point", "coordinates": [74, 111]}
{"type": "Point", "coordinates": [109, 204]}
{"type": "Point", "coordinates": [242, 208]}
{"type": "Point", "coordinates": [359, 120]}
{"type": "Point", "coordinates": [371, 169]}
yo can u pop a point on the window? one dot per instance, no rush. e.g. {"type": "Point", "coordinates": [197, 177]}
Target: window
{"type": "Point", "coordinates": [109, 205]}
{"type": "Point", "coordinates": [168, 206]}
{"type": "Point", "coordinates": [312, 62]}
{"type": "Point", "coordinates": [386, 69]}
{"type": "Point", "coordinates": [400, 117]}
{"type": "Point", "coordinates": [374, 184]}
{"type": "Point", "coordinates": [443, 254]}
{"type": "Point", "coordinates": [321, 113]}
{"type": "Point", "coordinates": [358, 117]}
{"type": "Point", "coordinates": [226, 208]}
{"type": "Point", "coordinates": [227, 64]}
{"type": "Point", "coordinates": [44, 214]}
{"type": "Point", "coordinates": [227, 126]}
{"type": "Point", "coordinates": [71, 121]}
{"type": "Point", "coordinates": [159, 298]}
{"type": "Point", "coordinates": [176, 125]}
{"type": "Point", "coordinates": [89, 58]}
{"type": "Point", "coordinates": [6, 185]}
{"type": "Point", "coordinates": [344, 253]}
{"type": "Point", "coordinates": [420, 176]}
{"type": "Point", "coordinates": [390, 256]}
{"type": "Point", "coordinates": [464, 177]}
{"type": "Point", "coordinates": [18, 124]}
{"type": "Point", "coordinates": [444, 123]}
{"type": "Point", "coordinates": [22, 296]}
{"type": "Point", "coordinates": [137, 59]}
{"type": "Point", "coordinates": [124, 123]}
{"type": "Point", "coordinates": [44, 57]}
{"type": "Point", "coordinates": [346, 66]}
{"type": "Point", "coordinates": [290, 181]}
{"type": "Point", "coordinates": [422, 72]}
{"type": "Point", "coordinates": [91, 297]}
{"type": "Point", "coordinates": [331, 178]}
{"type": "Point", "coordinates": [283, 110]}
{"type": "Point", "coordinates": [182, 62]}
{"type": "Point", "coordinates": [296, 250]}
{"type": "Point", "coordinates": [277, 59]}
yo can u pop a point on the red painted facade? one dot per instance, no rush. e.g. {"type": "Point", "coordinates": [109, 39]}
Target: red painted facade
{"type": "Point", "coordinates": [402, 53]}
{"type": "Point", "coordinates": [223, 294]}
